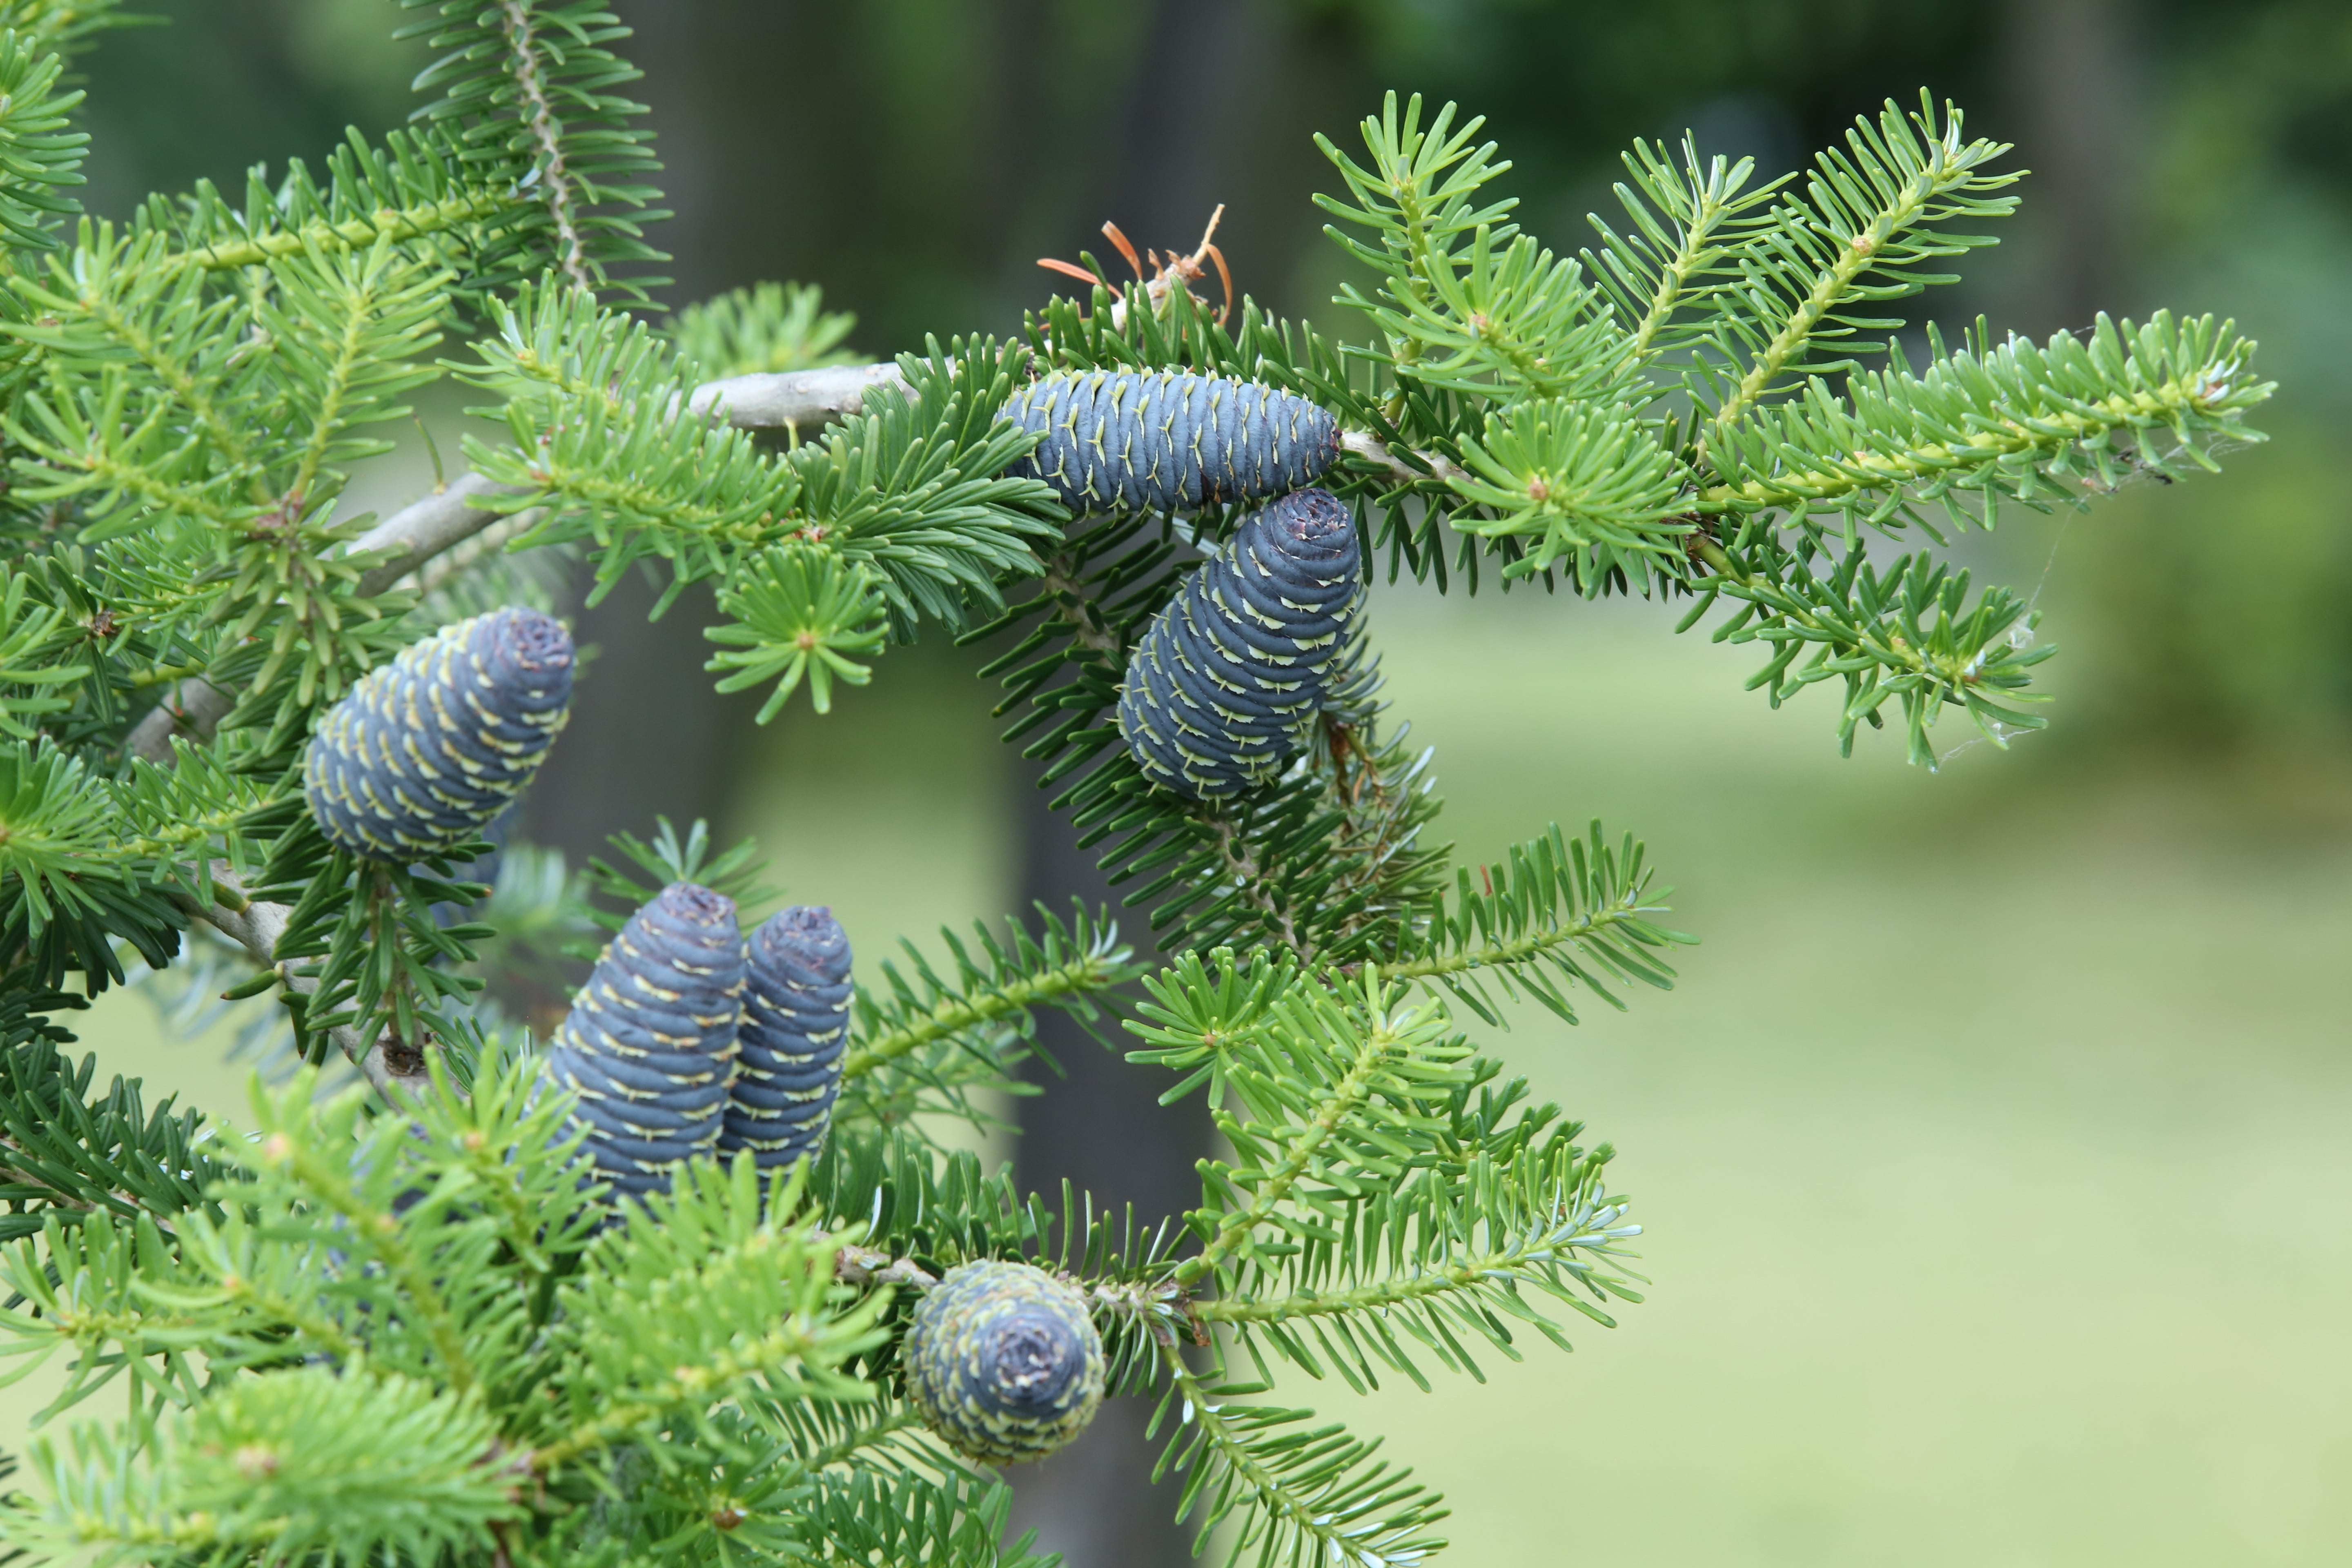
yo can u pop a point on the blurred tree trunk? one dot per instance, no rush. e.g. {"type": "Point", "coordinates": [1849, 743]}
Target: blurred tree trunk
{"type": "Point", "coordinates": [2073, 75]}
{"type": "Point", "coordinates": [648, 736]}
{"type": "Point", "coordinates": [1098, 1123]}
{"type": "Point", "coordinates": [1217, 108]}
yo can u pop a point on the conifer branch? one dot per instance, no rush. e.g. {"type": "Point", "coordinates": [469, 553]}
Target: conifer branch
{"type": "Point", "coordinates": [950, 1018]}
{"type": "Point", "coordinates": [898, 1024]}
{"type": "Point", "coordinates": [71, 1160]}
{"type": "Point", "coordinates": [1317, 1495]}
{"type": "Point", "coordinates": [396, 1070]}
{"type": "Point", "coordinates": [1908, 634]}
{"type": "Point", "coordinates": [528, 101]}
{"type": "Point", "coordinates": [1421, 1285]}
{"type": "Point", "coordinates": [425, 1294]}
{"type": "Point", "coordinates": [1997, 420]}
{"type": "Point", "coordinates": [1684, 223]}
{"type": "Point", "coordinates": [770, 1352]}
{"type": "Point", "coordinates": [1580, 907]}
{"type": "Point", "coordinates": [1866, 215]}
{"type": "Point", "coordinates": [525, 64]}
{"type": "Point", "coordinates": [1300, 1153]}
{"type": "Point", "coordinates": [21, 1182]}
{"type": "Point", "coordinates": [423, 222]}
{"type": "Point", "coordinates": [1452, 1250]}
{"type": "Point", "coordinates": [1516, 950]}
{"type": "Point", "coordinates": [433, 523]}
{"type": "Point", "coordinates": [69, 26]}
{"type": "Point", "coordinates": [433, 1335]}
{"type": "Point", "coordinates": [101, 1285]}
{"type": "Point", "coordinates": [767, 329]}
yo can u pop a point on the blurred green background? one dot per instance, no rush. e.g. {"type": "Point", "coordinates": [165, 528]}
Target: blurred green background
{"type": "Point", "coordinates": [1993, 1148]}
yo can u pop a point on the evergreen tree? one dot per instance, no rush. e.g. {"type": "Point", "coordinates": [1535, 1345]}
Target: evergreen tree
{"type": "Point", "coordinates": [593, 1305]}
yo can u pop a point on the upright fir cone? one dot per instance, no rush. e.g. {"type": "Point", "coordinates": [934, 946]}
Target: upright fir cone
{"type": "Point", "coordinates": [1155, 441]}
{"type": "Point", "coordinates": [1003, 1361]}
{"type": "Point", "coordinates": [421, 753]}
{"type": "Point", "coordinates": [1221, 688]}
{"type": "Point", "coordinates": [649, 1045]}
{"type": "Point", "coordinates": [795, 1028]}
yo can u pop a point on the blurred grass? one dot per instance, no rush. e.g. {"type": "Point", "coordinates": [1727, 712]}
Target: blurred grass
{"type": "Point", "coordinates": [1990, 1149]}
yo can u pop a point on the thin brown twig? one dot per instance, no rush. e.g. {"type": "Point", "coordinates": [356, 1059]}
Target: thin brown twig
{"type": "Point", "coordinates": [1177, 271]}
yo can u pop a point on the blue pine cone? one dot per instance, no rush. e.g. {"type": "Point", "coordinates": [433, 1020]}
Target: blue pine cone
{"type": "Point", "coordinates": [795, 1028]}
{"type": "Point", "coordinates": [649, 1045]}
{"type": "Point", "coordinates": [1219, 691]}
{"type": "Point", "coordinates": [421, 753]}
{"type": "Point", "coordinates": [1003, 1362]}
{"type": "Point", "coordinates": [1140, 441]}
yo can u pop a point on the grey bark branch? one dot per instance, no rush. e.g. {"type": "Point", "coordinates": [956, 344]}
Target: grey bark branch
{"type": "Point", "coordinates": [423, 529]}
{"type": "Point", "coordinates": [193, 708]}
{"type": "Point", "coordinates": [792, 399]}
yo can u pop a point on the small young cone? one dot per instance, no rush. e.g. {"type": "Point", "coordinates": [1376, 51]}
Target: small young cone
{"type": "Point", "coordinates": [1225, 679]}
{"type": "Point", "coordinates": [421, 755]}
{"type": "Point", "coordinates": [1003, 1362]}
{"type": "Point", "coordinates": [795, 1028]}
{"type": "Point", "coordinates": [649, 1045]}
{"type": "Point", "coordinates": [1155, 441]}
